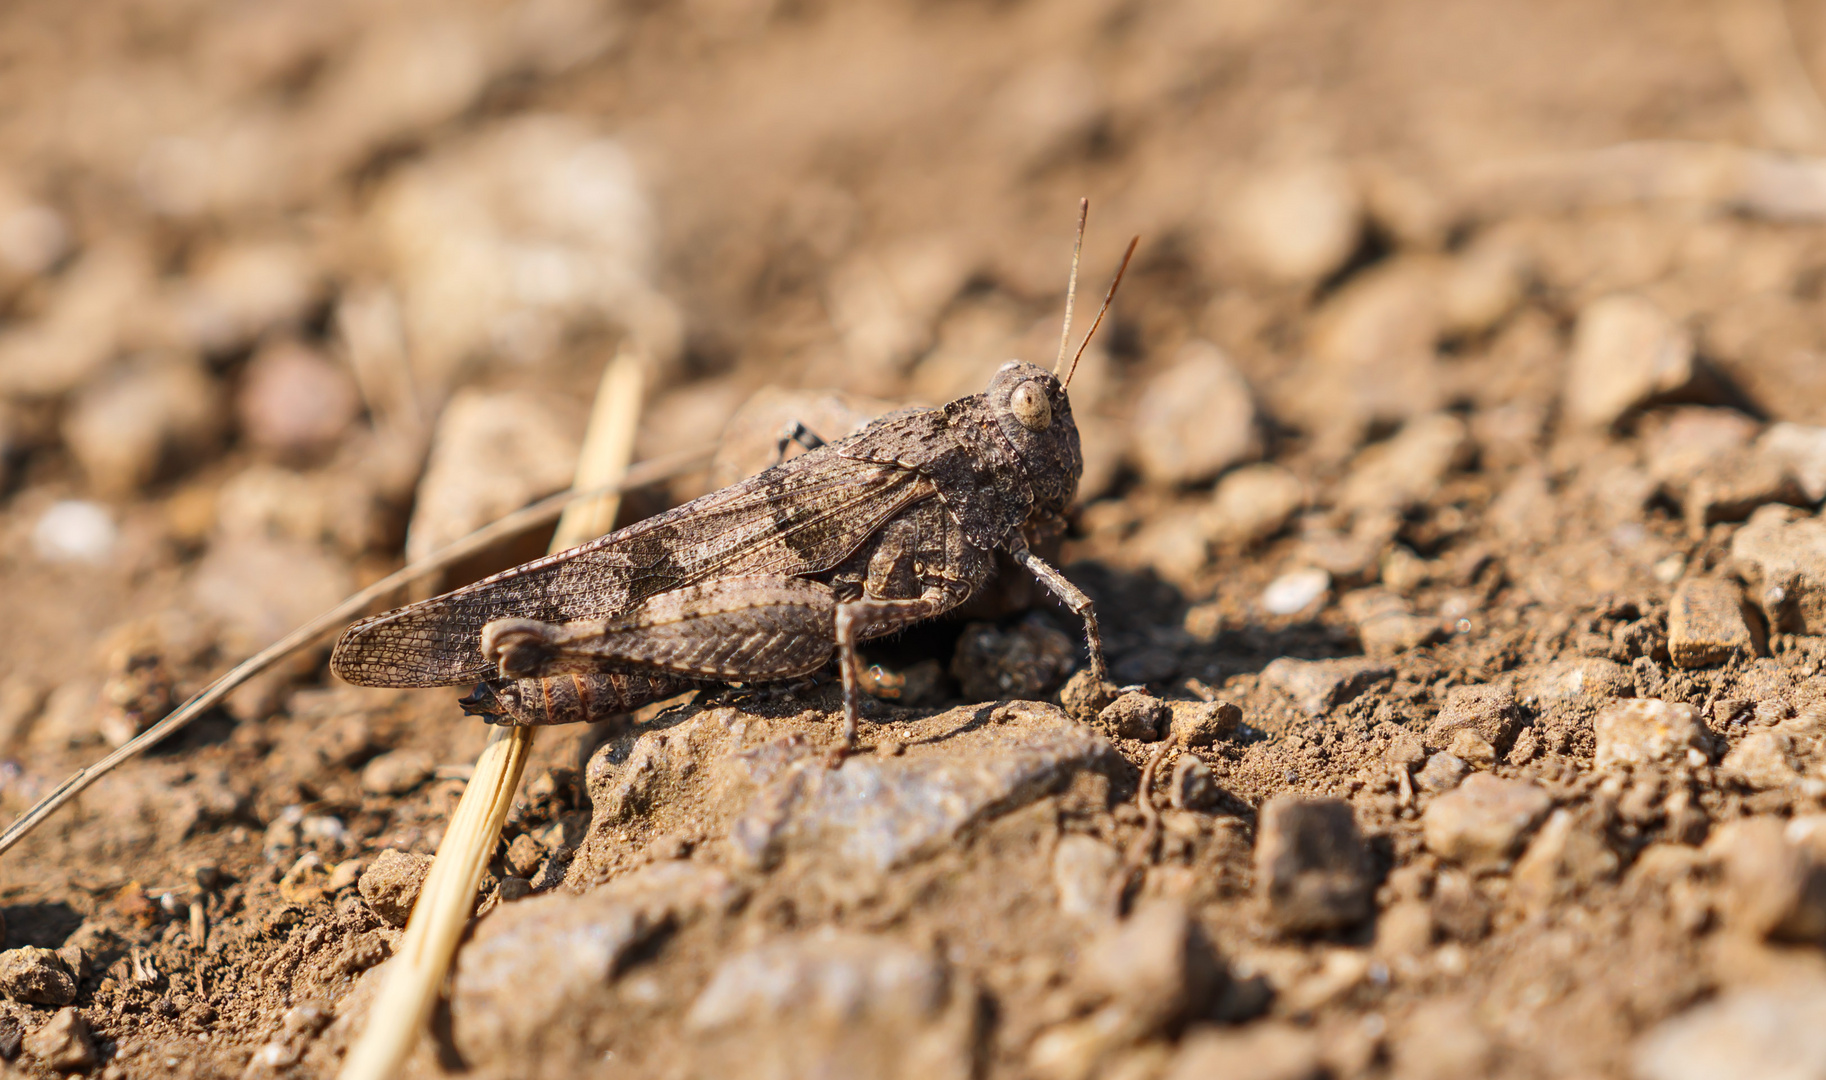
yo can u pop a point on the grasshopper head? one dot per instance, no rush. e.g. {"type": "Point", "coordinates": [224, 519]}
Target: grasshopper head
{"type": "Point", "coordinates": [1035, 416]}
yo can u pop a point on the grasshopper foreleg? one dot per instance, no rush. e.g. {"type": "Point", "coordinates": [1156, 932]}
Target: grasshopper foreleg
{"type": "Point", "coordinates": [1073, 598]}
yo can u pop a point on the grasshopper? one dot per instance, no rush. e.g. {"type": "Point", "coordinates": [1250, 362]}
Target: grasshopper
{"type": "Point", "coordinates": [764, 580]}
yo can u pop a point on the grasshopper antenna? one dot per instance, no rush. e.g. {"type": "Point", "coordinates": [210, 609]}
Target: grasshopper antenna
{"type": "Point", "coordinates": [1071, 288]}
{"type": "Point", "coordinates": [1102, 311]}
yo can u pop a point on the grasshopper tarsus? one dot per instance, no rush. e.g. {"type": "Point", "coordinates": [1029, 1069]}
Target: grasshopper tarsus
{"type": "Point", "coordinates": [1076, 601]}
{"type": "Point", "coordinates": [795, 432]}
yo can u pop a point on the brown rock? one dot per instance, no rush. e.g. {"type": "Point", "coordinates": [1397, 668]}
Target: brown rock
{"type": "Point", "coordinates": [1764, 760]}
{"type": "Point", "coordinates": [1709, 623]}
{"type": "Point", "coordinates": [396, 772]}
{"type": "Point", "coordinates": [1386, 623]}
{"type": "Point", "coordinates": [1082, 697]}
{"type": "Point", "coordinates": [1442, 772]}
{"type": "Point", "coordinates": [1775, 873]}
{"type": "Point", "coordinates": [1192, 785]}
{"type": "Point", "coordinates": [1082, 869]}
{"type": "Point", "coordinates": [391, 885]}
{"type": "Point", "coordinates": [1746, 1031]}
{"type": "Point", "coordinates": [1442, 1041]}
{"type": "Point", "coordinates": [1626, 353]}
{"type": "Point", "coordinates": [1155, 965]}
{"type": "Point", "coordinates": [1298, 221]}
{"type": "Point", "coordinates": [1136, 716]}
{"type": "Point", "coordinates": [1801, 449]}
{"type": "Point", "coordinates": [1201, 723]}
{"type": "Point", "coordinates": [36, 977]}
{"type": "Point", "coordinates": [524, 855]}
{"type": "Point", "coordinates": [63, 1043]}
{"type": "Point", "coordinates": [145, 420]}
{"type": "Point", "coordinates": [1482, 823]}
{"type": "Point", "coordinates": [1194, 419]}
{"type": "Point", "coordinates": [1318, 686]}
{"type": "Point", "coordinates": [1404, 471]}
{"type": "Point", "coordinates": [1472, 748]}
{"type": "Point", "coordinates": [1311, 867]}
{"type": "Point", "coordinates": [1266, 1051]}
{"type": "Point", "coordinates": [1641, 732]}
{"type": "Point", "coordinates": [1253, 503]}
{"type": "Point", "coordinates": [295, 402]}
{"type": "Point", "coordinates": [1488, 709]}
{"type": "Point", "coordinates": [1567, 856]}
{"type": "Point", "coordinates": [1783, 557]}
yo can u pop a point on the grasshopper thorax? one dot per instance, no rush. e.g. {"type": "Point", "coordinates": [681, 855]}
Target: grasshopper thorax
{"type": "Point", "coordinates": [1034, 415]}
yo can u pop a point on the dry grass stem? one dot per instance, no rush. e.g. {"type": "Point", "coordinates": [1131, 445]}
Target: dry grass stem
{"type": "Point", "coordinates": [417, 970]}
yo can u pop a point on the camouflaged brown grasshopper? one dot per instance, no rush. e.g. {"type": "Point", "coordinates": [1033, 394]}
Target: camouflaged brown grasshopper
{"type": "Point", "coordinates": [765, 579]}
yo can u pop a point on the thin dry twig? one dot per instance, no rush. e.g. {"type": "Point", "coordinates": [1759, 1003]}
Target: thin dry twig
{"type": "Point", "coordinates": [647, 472]}
{"type": "Point", "coordinates": [1141, 853]}
{"type": "Point", "coordinates": [423, 957]}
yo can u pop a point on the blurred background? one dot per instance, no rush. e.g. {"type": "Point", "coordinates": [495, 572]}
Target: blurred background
{"type": "Point", "coordinates": [292, 291]}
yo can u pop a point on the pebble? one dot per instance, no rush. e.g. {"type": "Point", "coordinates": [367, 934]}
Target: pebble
{"type": "Point", "coordinates": [1318, 686]}
{"type": "Point", "coordinates": [1642, 732]}
{"type": "Point", "coordinates": [1782, 556]}
{"type": "Point", "coordinates": [490, 455]}
{"type": "Point", "coordinates": [295, 402]}
{"type": "Point", "coordinates": [1297, 221]}
{"type": "Point", "coordinates": [1136, 715]}
{"type": "Point", "coordinates": [1709, 624]}
{"type": "Point", "coordinates": [1472, 748]}
{"type": "Point", "coordinates": [1252, 503]}
{"type": "Point", "coordinates": [878, 813]}
{"type": "Point", "coordinates": [1442, 772]}
{"type": "Point", "coordinates": [1194, 419]}
{"type": "Point", "coordinates": [307, 881]}
{"type": "Point", "coordinates": [1567, 856]}
{"type": "Point", "coordinates": [1266, 1051]}
{"type": "Point", "coordinates": [1482, 823]}
{"type": "Point", "coordinates": [1404, 471]}
{"type": "Point", "coordinates": [1295, 591]}
{"type": "Point", "coordinates": [1481, 286]}
{"type": "Point", "coordinates": [63, 1043]}
{"type": "Point", "coordinates": [36, 977]}
{"type": "Point", "coordinates": [1202, 723]}
{"type": "Point", "coordinates": [524, 856]}
{"type": "Point", "coordinates": [1764, 760]}
{"type": "Point", "coordinates": [1486, 708]}
{"type": "Point", "coordinates": [1775, 876]}
{"type": "Point", "coordinates": [1583, 679]}
{"type": "Point", "coordinates": [396, 772]}
{"type": "Point", "coordinates": [142, 421]}
{"type": "Point", "coordinates": [33, 237]}
{"type": "Point", "coordinates": [1373, 344]}
{"type": "Point", "coordinates": [1083, 697]}
{"type": "Point", "coordinates": [1801, 449]}
{"type": "Point", "coordinates": [1442, 1040]}
{"type": "Point", "coordinates": [391, 884]}
{"type": "Point", "coordinates": [831, 1003]}
{"type": "Point", "coordinates": [1763, 1032]}
{"type": "Point", "coordinates": [1192, 785]}
{"type": "Point", "coordinates": [1156, 966]}
{"type": "Point", "coordinates": [1024, 661]}
{"type": "Point", "coordinates": [1082, 869]}
{"type": "Point", "coordinates": [1626, 352]}
{"type": "Point", "coordinates": [82, 326]}
{"type": "Point", "coordinates": [75, 530]}
{"type": "Point", "coordinates": [1386, 623]}
{"type": "Point", "coordinates": [12, 1037]}
{"type": "Point", "coordinates": [1311, 865]}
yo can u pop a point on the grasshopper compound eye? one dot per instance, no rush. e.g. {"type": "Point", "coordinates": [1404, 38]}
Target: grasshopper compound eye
{"type": "Point", "coordinates": [1030, 406]}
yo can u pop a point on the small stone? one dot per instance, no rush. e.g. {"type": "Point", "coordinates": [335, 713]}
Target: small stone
{"type": "Point", "coordinates": [1569, 855]}
{"type": "Point", "coordinates": [1405, 928]}
{"type": "Point", "coordinates": [1083, 868]}
{"type": "Point", "coordinates": [307, 880]}
{"type": "Point", "coordinates": [345, 874]}
{"type": "Point", "coordinates": [1297, 222]}
{"type": "Point", "coordinates": [1443, 772]}
{"type": "Point", "coordinates": [1404, 471]}
{"type": "Point", "coordinates": [1195, 419]}
{"type": "Point", "coordinates": [1025, 661]}
{"type": "Point", "coordinates": [36, 977]}
{"type": "Point", "coordinates": [1709, 623]}
{"type": "Point", "coordinates": [1626, 353]}
{"type": "Point", "coordinates": [1311, 865]}
{"type": "Point", "coordinates": [142, 422]}
{"type": "Point", "coordinates": [524, 856]}
{"type": "Point", "coordinates": [1136, 716]}
{"type": "Point", "coordinates": [237, 294]}
{"type": "Point", "coordinates": [1318, 686]}
{"type": "Point", "coordinates": [1801, 449]}
{"type": "Point", "coordinates": [1252, 503]}
{"type": "Point", "coordinates": [1745, 1032]}
{"type": "Point", "coordinates": [1265, 1051]}
{"type": "Point", "coordinates": [1082, 697]}
{"type": "Point", "coordinates": [1442, 1041]}
{"type": "Point", "coordinates": [1405, 752]}
{"type": "Point", "coordinates": [295, 402]}
{"type": "Point", "coordinates": [1192, 785]}
{"type": "Point", "coordinates": [1386, 623]}
{"type": "Point", "coordinates": [391, 884]}
{"type": "Point", "coordinates": [1641, 732]}
{"type": "Point", "coordinates": [1783, 558]}
{"type": "Point", "coordinates": [396, 772]}
{"type": "Point", "coordinates": [75, 530]}
{"type": "Point", "coordinates": [1154, 965]}
{"type": "Point", "coordinates": [1475, 750]}
{"type": "Point", "coordinates": [1483, 823]}
{"type": "Point", "coordinates": [63, 1043]}
{"type": "Point", "coordinates": [1488, 709]}
{"type": "Point", "coordinates": [1202, 723]}
{"type": "Point", "coordinates": [12, 1037]}
{"type": "Point", "coordinates": [1583, 679]}
{"type": "Point", "coordinates": [1764, 760]}
{"type": "Point", "coordinates": [1295, 591]}
{"type": "Point", "coordinates": [514, 888]}
{"type": "Point", "coordinates": [1775, 874]}
{"type": "Point", "coordinates": [491, 455]}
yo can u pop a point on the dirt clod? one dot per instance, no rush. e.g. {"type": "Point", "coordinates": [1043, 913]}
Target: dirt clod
{"type": "Point", "coordinates": [391, 884]}
{"type": "Point", "coordinates": [1026, 660]}
{"type": "Point", "coordinates": [1646, 731]}
{"type": "Point", "coordinates": [1136, 716]}
{"type": "Point", "coordinates": [1312, 869]}
{"type": "Point", "coordinates": [1708, 623]}
{"type": "Point", "coordinates": [63, 1042]}
{"type": "Point", "coordinates": [1483, 822]}
{"type": "Point", "coordinates": [36, 977]}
